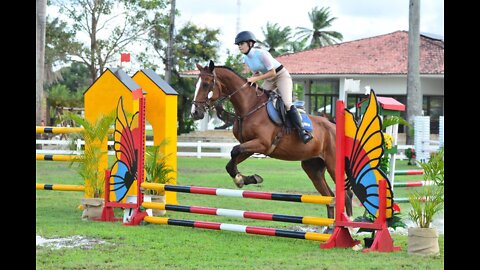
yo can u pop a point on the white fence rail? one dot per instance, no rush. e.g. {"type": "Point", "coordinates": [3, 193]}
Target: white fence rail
{"type": "Point", "coordinates": [197, 149]}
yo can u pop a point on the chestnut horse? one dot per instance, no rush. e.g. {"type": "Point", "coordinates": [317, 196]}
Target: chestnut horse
{"type": "Point", "coordinates": [258, 134]}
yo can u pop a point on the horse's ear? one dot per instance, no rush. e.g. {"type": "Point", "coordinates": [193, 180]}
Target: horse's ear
{"type": "Point", "coordinates": [199, 67]}
{"type": "Point", "coordinates": [211, 65]}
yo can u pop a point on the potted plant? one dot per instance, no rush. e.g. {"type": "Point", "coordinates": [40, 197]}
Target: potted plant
{"type": "Point", "coordinates": [426, 203]}
{"type": "Point", "coordinates": [157, 171]}
{"type": "Point", "coordinates": [89, 164]}
{"type": "Point", "coordinates": [411, 155]}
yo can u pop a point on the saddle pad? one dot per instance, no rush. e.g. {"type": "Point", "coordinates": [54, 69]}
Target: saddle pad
{"type": "Point", "coordinates": [274, 115]}
{"type": "Point", "coordinates": [306, 122]}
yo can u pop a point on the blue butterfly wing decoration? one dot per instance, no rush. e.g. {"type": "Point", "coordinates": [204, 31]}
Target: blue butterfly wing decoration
{"type": "Point", "coordinates": [124, 170]}
{"type": "Point", "coordinates": [363, 153]}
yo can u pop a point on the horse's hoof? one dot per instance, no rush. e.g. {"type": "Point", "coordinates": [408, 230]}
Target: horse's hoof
{"type": "Point", "coordinates": [238, 180]}
{"type": "Point", "coordinates": [258, 178]}
{"type": "Point", "coordinates": [253, 179]}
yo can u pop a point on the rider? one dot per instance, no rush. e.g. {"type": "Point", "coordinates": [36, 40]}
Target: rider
{"type": "Point", "coordinates": [274, 74]}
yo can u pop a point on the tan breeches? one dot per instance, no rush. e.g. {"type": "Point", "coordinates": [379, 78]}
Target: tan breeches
{"type": "Point", "coordinates": [282, 83]}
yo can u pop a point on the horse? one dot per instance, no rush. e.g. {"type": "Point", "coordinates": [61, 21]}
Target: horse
{"type": "Point", "coordinates": [257, 133]}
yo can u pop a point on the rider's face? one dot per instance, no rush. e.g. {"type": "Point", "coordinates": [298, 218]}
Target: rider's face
{"type": "Point", "coordinates": [243, 46]}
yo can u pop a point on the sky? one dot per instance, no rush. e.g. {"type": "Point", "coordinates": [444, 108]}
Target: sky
{"type": "Point", "coordinates": [356, 19]}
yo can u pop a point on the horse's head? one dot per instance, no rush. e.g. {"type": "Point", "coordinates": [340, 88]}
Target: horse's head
{"type": "Point", "coordinates": [206, 91]}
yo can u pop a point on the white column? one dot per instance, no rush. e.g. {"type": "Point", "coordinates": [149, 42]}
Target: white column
{"type": "Point", "coordinates": [422, 137]}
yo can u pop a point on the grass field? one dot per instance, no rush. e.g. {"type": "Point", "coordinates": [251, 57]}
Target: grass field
{"type": "Point", "coordinates": [152, 246]}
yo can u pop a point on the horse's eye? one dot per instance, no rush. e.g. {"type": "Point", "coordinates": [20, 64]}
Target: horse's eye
{"type": "Point", "coordinates": [205, 85]}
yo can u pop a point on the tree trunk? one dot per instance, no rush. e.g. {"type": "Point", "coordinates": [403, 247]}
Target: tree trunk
{"type": "Point", "coordinates": [40, 60]}
{"type": "Point", "coordinates": [169, 66]}
{"type": "Point", "coordinates": [414, 90]}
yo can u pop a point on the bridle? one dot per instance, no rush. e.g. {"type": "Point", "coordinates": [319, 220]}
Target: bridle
{"type": "Point", "coordinates": [206, 104]}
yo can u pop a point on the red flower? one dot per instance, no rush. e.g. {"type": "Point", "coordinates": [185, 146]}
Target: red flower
{"type": "Point", "coordinates": [396, 208]}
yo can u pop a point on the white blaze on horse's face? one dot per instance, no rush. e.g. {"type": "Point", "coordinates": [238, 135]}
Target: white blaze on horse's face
{"type": "Point", "coordinates": [197, 87]}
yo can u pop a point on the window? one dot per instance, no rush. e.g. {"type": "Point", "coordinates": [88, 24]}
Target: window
{"type": "Point", "coordinates": [433, 107]}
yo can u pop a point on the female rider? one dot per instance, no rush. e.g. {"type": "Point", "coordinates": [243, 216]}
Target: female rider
{"type": "Point", "coordinates": [274, 74]}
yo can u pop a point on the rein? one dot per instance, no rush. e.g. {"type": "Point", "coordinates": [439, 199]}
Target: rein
{"type": "Point", "coordinates": [221, 100]}
{"type": "Point", "coordinates": [228, 97]}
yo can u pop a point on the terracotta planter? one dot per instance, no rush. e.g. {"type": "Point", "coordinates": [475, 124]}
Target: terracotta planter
{"type": "Point", "coordinates": [423, 241]}
{"type": "Point", "coordinates": [92, 208]}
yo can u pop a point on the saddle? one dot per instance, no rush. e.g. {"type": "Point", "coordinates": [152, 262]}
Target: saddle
{"type": "Point", "coordinates": [278, 114]}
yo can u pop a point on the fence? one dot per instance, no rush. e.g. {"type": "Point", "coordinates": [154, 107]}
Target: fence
{"type": "Point", "coordinates": [197, 149]}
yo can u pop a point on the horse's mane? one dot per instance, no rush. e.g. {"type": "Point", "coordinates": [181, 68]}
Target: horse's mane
{"type": "Point", "coordinates": [231, 69]}
{"type": "Point", "coordinates": [243, 78]}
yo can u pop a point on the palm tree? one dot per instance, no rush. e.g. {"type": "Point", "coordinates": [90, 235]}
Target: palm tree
{"type": "Point", "coordinates": [414, 89]}
{"type": "Point", "coordinates": [320, 19]}
{"type": "Point", "coordinates": [88, 163]}
{"type": "Point", "coordinates": [294, 46]}
{"type": "Point", "coordinates": [275, 37]}
{"type": "Point", "coordinates": [40, 58]}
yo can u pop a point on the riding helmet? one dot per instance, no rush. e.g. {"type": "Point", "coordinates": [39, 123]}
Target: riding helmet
{"type": "Point", "coordinates": [244, 36]}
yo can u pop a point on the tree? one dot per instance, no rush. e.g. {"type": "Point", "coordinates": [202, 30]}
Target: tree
{"type": "Point", "coordinates": [110, 26]}
{"type": "Point", "coordinates": [76, 77]}
{"type": "Point", "coordinates": [60, 44]}
{"type": "Point", "coordinates": [171, 27]}
{"type": "Point", "coordinates": [40, 58]}
{"type": "Point", "coordinates": [295, 46]}
{"type": "Point", "coordinates": [192, 44]}
{"type": "Point", "coordinates": [414, 90]}
{"type": "Point", "coordinates": [67, 91]}
{"type": "Point", "coordinates": [321, 20]}
{"type": "Point", "coordinates": [275, 38]}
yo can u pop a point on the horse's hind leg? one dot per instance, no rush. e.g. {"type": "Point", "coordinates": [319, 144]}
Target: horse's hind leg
{"type": "Point", "coordinates": [315, 169]}
{"type": "Point", "coordinates": [239, 179]}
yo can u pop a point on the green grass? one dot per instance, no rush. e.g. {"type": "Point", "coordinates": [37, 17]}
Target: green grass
{"type": "Point", "coordinates": [154, 246]}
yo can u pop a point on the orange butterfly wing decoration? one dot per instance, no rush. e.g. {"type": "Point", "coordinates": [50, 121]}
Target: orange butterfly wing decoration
{"type": "Point", "coordinates": [364, 151]}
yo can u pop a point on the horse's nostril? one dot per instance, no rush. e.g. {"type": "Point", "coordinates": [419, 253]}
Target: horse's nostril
{"type": "Point", "coordinates": [197, 115]}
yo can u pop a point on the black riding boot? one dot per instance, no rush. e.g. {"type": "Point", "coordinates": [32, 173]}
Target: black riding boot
{"type": "Point", "coordinates": [296, 119]}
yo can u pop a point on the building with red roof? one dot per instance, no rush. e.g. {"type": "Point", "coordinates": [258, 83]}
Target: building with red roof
{"type": "Point", "coordinates": [380, 62]}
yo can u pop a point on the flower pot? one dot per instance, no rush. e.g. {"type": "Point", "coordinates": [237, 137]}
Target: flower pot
{"type": "Point", "coordinates": [92, 208]}
{"type": "Point", "coordinates": [423, 241]}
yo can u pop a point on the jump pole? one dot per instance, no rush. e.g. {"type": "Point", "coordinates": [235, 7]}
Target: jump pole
{"type": "Point", "coordinates": [238, 228]}
{"type": "Point", "coordinates": [40, 186]}
{"type": "Point", "coordinates": [241, 193]}
{"type": "Point", "coordinates": [319, 221]}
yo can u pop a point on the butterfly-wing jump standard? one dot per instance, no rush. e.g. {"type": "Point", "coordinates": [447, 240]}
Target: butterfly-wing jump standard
{"type": "Point", "coordinates": [362, 162]}
{"type": "Point", "coordinates": [124, 170]}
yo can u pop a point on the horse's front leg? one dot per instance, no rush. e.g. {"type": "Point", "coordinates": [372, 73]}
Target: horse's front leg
{"type": "Point", "coordinates": [238, 154]}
